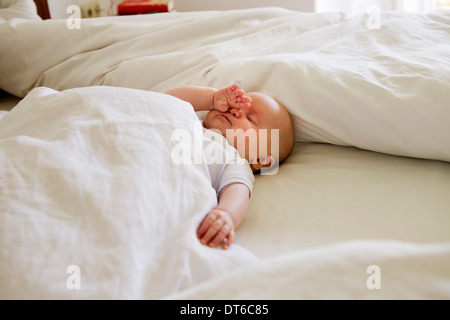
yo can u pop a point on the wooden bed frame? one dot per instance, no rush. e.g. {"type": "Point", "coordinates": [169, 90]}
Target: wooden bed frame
{"type": "Point", "coordinates": [42, 9]}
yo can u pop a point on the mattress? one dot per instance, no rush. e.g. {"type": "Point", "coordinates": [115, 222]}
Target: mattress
{"type": "Point", "coordinates": [327, 194]}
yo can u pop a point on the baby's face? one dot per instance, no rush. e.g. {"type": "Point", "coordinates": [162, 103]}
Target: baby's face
{"type": "Point", "coordinates": [263, 114]}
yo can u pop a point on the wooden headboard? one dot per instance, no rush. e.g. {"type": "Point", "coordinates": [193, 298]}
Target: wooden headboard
{"type": "Point", "coordinates": [42, 9]}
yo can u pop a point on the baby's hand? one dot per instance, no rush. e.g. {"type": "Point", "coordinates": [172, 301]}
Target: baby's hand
{"type": "Point", "coordinates": [229, 98]}
{"type": "Point", "coordinates": [215, 228]}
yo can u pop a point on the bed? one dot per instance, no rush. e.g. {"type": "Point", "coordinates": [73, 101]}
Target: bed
{"type": "Point", "coordinates": [92, 208]}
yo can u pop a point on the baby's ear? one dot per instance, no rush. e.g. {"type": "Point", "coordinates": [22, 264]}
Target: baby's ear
{"type": "Point", "coordinates": [264, 162]}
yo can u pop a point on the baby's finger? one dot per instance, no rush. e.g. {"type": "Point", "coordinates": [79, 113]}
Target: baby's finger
{"type": "Point", "coordinates": [245, 99]}
{"type": "Point", "coordinates": [242, 105]}
{"type": "Point", "coordinates": [243, 102]}
{"type": "Point", "coordinates": [206, 224]}
{"type": "Point", "coordinates": [239, 93]}
{"type": "Point", "coordinates": [234, 86]}
{"type": "Point", "coordinates": [230, 239]}
{"type": "Point", "coordinates": [222, 106]}
{"type": "Point", "coordinates": [220, 236]}
{"type": "Point", "coordinates": [232, 89]}
{"type": "Point", "coordinates": [212, 231]}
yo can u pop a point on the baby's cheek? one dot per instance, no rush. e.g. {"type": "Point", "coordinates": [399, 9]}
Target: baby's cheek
{"type": "Point", "coordinates": [215, 126]}
{"type": "Point", "coordinates": [232, 140]}
{"type": "Point", "coordinates": [239, 143]}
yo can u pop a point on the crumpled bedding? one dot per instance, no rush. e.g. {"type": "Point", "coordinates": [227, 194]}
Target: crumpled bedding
{"type": "Point", "coordinates": [89, 196]}
{"type": "Point", "coordinates": [353, 270]}
{"type": "Point", "coordinates": [13, 9]}
{"type": "Point", "coordinates": [383, 89]}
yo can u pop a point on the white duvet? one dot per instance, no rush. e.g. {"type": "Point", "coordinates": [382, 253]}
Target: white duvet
{"type": "Point", "coordinates": [90, 197]}
{"type": "Point", "coordinates": [345, 81]}
{"type": "Point", "coordinates": [355, 270]}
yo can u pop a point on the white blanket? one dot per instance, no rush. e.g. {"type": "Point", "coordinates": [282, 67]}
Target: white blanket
{"type": "Point", "coordinates": [357, 270]}
{"type": "Point", "coordinates": [345, 81]}
{"type": "Point", "coordinates": [89, 196]}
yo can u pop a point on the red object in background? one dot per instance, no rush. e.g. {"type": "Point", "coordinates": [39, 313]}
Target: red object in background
{"type": "Point", "coordinates": [144, 6]}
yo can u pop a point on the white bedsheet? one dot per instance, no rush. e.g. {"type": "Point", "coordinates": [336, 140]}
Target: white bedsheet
{"type": "Point", "coordinates": [385, 90]}
{"type": "Point", "coordinates": [325, 194]}
{"type": "Point", "coordinates": [87, 181]}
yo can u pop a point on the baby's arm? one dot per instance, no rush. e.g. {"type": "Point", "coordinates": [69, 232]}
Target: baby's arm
{"type": "Point", "coordinates": [220, 223]}
{"type": "Point", "coordinates": [206, 98]}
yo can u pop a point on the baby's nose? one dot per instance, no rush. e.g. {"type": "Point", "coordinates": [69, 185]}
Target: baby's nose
{"type": "Point", "coordinates": [235, 112]}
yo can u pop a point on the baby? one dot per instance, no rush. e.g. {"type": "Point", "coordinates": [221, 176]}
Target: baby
{"type": "Point", "coordinates": [245, 120]}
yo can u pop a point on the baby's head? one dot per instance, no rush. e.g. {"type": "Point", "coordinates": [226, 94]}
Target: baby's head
{"type": "Point", "coordinates": [263, 134]}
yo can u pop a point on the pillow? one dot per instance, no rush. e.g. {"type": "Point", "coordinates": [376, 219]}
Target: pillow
{"type": "Point", "coordinates": [385, 90]}
{"type": "Point", "coordinates": [24, 9]}
{"type": "Point", "coordinates": [343, 81]}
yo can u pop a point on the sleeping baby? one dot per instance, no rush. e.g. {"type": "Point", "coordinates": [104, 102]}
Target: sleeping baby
{"type": "Point", "coordinates": [260, 130]}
